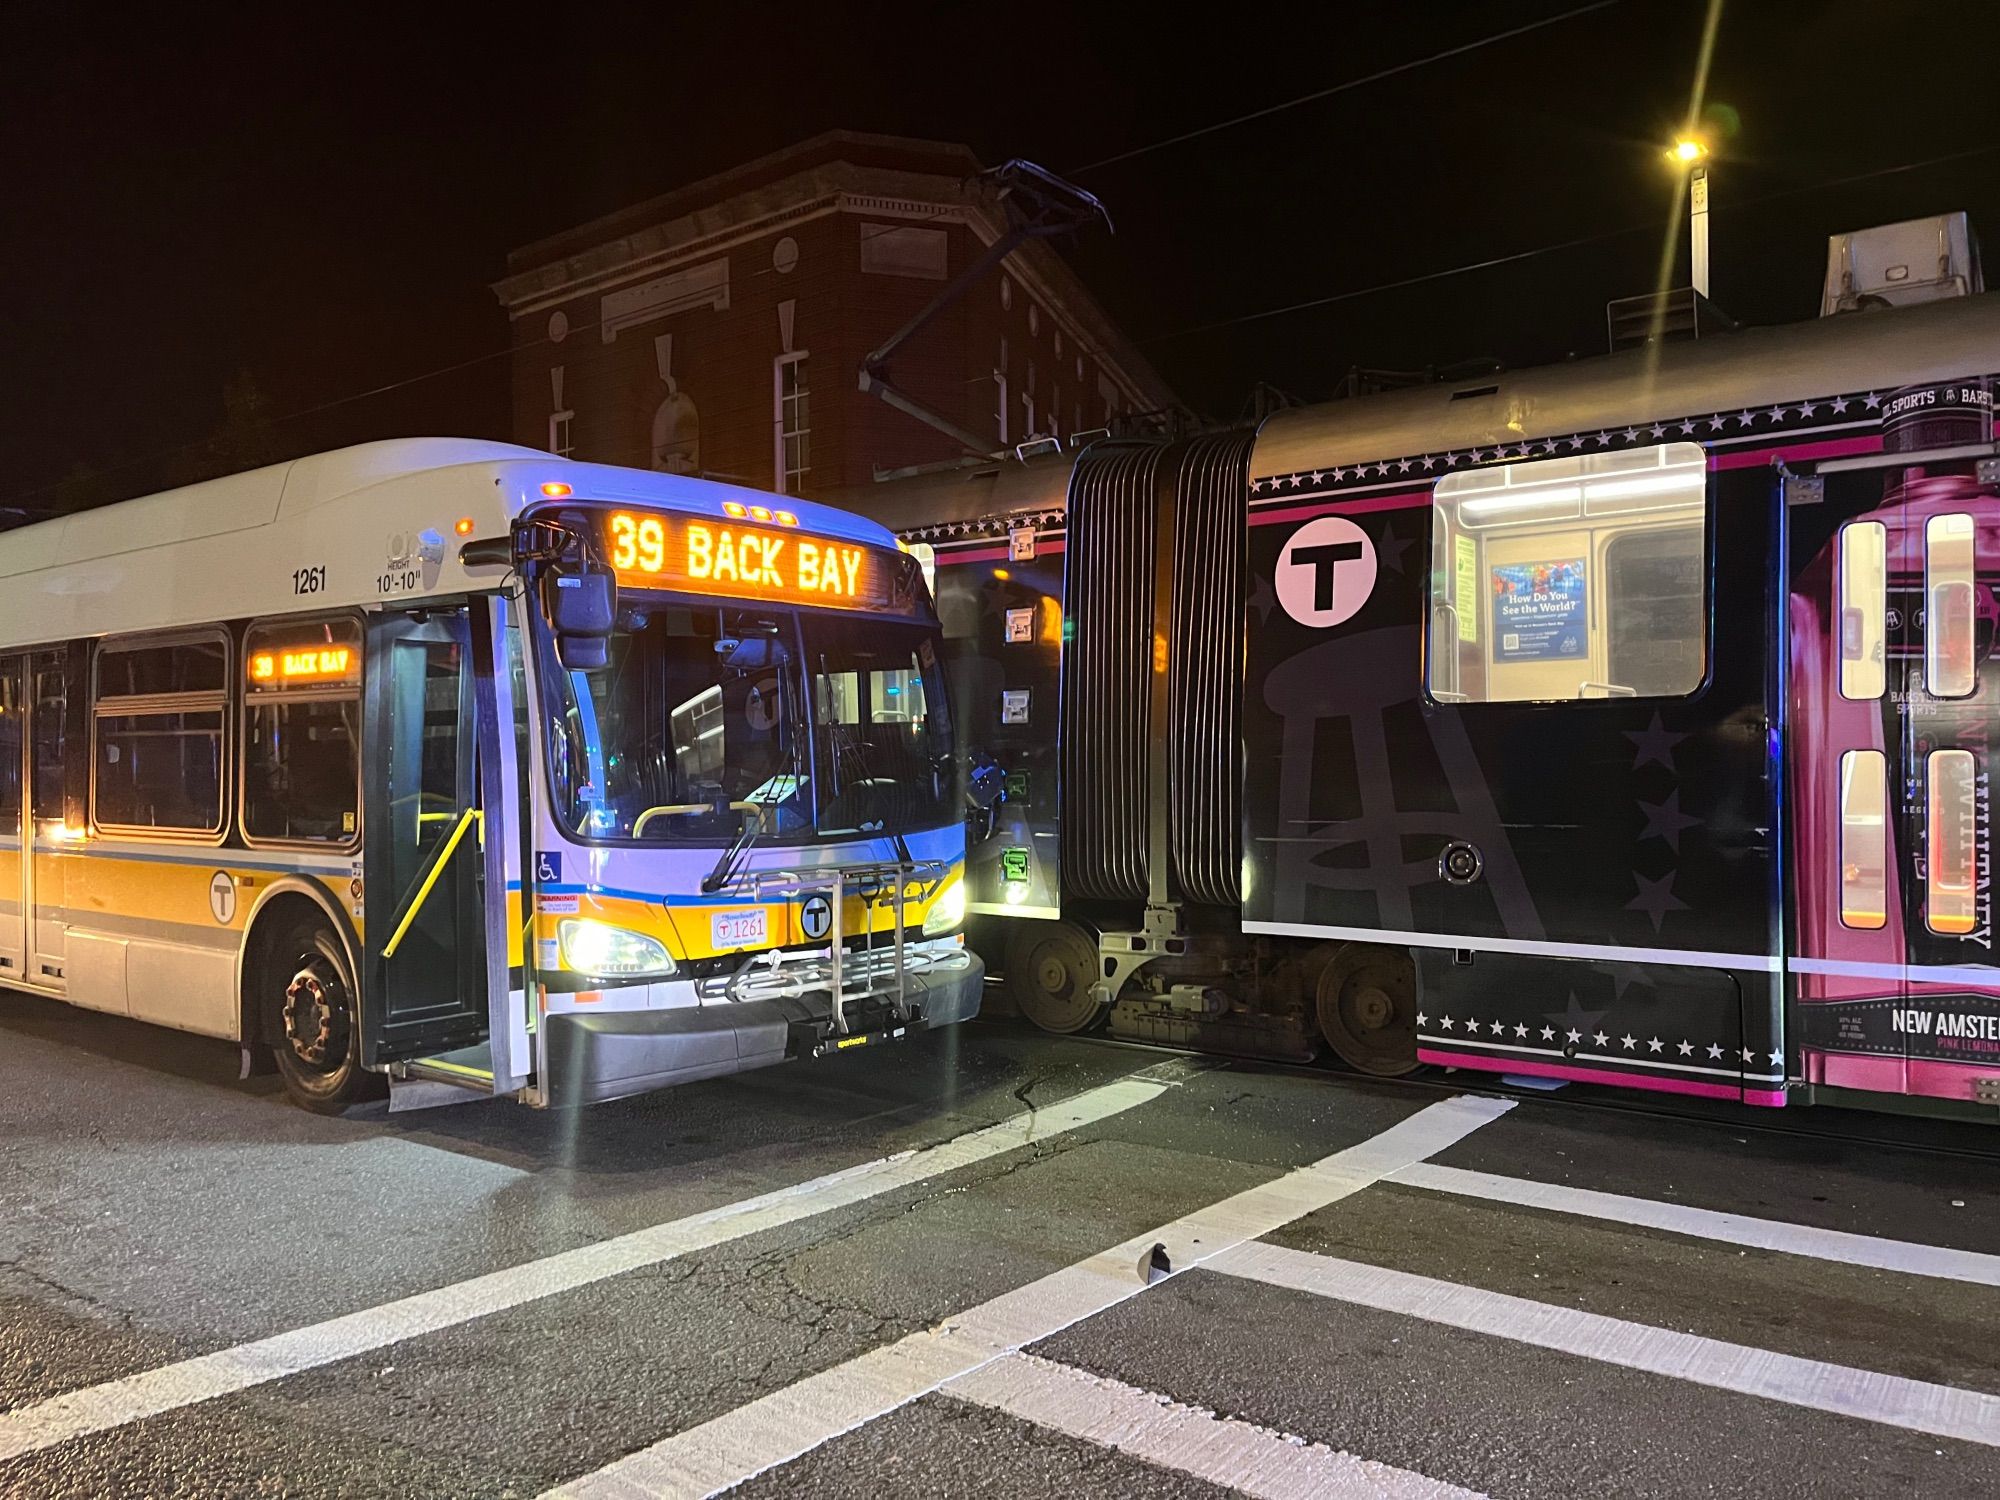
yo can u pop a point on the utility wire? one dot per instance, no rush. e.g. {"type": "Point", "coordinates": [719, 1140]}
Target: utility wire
{"type": "Point", "coordinates": [1353, 83]}
{"type": "Point", "coordinates": [1573, 244]}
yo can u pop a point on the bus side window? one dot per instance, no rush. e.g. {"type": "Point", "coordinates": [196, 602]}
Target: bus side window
{"type": "Point", "coordinates": [10, 747]}
{"type": "Point", "coordinates": [1864, 840]}
{"type": "Point", "coordinates": [1952, 860]}
{"type": "Point", "coordinates": [1864, 609]}
{"type": "Point", "coordinates": [1949, 668]}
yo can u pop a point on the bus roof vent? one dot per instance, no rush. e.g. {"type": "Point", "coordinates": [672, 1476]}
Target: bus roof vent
{"type": "Point", "coordinates": [1894, 265]}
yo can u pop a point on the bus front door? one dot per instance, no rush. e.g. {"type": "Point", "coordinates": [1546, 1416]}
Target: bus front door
{"type": "Point", "coordinates": [425, 992]}
{"type": "Point", "coordinates": [13, 858]}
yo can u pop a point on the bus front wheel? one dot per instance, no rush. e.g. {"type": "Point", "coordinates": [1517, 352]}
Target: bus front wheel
{"type": "Point", "coordinates": [309, 992]}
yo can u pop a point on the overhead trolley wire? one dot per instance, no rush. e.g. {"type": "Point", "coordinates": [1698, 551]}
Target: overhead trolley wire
{"type": "Point", "coordinates": [1332, 298]}
{"type": "Point", "coordinates": [1353, 83]}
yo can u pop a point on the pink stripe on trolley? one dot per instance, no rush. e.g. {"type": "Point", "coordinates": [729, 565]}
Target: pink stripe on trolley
{"type": "Point", "coordinates": [1772, 1098]}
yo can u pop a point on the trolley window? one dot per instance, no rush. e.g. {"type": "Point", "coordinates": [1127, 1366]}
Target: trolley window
{"type": "Point", "coordinates": [1864, 609]}
{"type": "Point", "coordinates": [1948, 607]}
{"type": "Point", "coordinates": [1953, 856]}
{"type": "Point", "coordinates": [157, 747]}
{"type": "Point", "coordinates": [302, 731]}
{"type": "Point", "coordinates": [1864, 839]}
{"type": "Point", "coordinates": [1577, 577]}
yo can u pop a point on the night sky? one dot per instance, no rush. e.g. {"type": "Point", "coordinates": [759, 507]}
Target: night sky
{"type": "Point", "coordinates": [220, 231]}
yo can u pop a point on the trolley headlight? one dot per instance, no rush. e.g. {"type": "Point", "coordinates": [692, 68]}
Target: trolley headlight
{"type": "Point", "coordinates": [593, 947]}
{"type": "Point", "coordinates": [948, 911]}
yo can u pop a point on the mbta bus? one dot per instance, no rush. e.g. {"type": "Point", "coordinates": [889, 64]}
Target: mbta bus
{"type": "Point", "coordinates": [1627, 721]}
{"type": "Point", "coordinates": [485, 770]}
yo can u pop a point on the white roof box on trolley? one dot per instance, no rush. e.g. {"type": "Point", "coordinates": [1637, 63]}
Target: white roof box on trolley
{"type": "Point", "coordinates": [1894, 265]}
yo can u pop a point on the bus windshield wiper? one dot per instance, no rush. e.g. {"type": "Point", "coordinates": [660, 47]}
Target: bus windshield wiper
{"type": "Point", "coordinates": [746, 838]}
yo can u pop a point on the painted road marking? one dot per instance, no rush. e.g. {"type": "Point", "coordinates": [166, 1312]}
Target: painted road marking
{"type": "Point", "coordinates": [1918, 1405]}
{"type": "Point", "coordinates": [776, 1428]}
{"type": "Point", "coordinates": [29, 1429]}
{"type": "Point", "coordinates": [1708, 1224]}
{"type": "Point", "coordinates": [1146, 1425]}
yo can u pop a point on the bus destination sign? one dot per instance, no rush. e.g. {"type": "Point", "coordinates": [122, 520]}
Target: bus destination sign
{"type": "Point", "coordinates": [314, 664]}
{"type": "Point", "coordinates": [704, 556]}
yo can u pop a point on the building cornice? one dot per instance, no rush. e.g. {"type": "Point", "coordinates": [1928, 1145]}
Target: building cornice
{"type": "Point", "coordinates": [840, 188]}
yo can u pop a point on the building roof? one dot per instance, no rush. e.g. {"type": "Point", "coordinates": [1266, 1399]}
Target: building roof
{"type": "Point", "coordinates": [839, 171]}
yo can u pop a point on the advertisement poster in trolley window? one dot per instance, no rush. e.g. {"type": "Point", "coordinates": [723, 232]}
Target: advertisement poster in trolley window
{"type": "Point", "coordinates": [1895, 690]}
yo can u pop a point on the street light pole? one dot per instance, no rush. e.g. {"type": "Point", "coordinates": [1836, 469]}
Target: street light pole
{"type": "Point", "coordinates": [1692, 154]}
{"type": "Point", "coordinates": [1698, 228]}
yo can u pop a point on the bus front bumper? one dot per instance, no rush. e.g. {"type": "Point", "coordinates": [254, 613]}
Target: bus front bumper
{"type": "Point", "coordinates": [609, 1055]}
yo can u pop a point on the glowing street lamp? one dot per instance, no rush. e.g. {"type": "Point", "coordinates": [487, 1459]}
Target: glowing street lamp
{"type": "Point", "coordinates": [1690, 154]}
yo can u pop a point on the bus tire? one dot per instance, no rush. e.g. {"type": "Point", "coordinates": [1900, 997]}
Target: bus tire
{"type": "Point", "coordinates": [306, 983]}
{"type": "Point", "coordinates": [1366, 999]}
{"type": "Point", "coordinates": [1051, 968]}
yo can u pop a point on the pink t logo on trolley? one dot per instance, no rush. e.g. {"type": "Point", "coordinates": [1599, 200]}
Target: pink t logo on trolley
{"type": "Point", "coordinates": [1326, 572]}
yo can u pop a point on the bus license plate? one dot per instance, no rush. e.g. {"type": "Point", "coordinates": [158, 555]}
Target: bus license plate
{"type": "Point", "coordinates": [739, 929]}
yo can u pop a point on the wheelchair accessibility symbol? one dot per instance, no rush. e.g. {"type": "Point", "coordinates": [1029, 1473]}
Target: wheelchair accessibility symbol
{"type": "Point", "coordinates": [548, 869]}
{"type": "Point", "coordinates": [816, 917]}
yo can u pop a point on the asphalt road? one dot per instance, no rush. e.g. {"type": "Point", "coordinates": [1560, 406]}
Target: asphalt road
{"type": "Point", "coordinates": [930, 1271]}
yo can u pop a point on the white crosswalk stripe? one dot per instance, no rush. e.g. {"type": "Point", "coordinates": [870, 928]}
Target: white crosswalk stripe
{"type": "Point", "coordinates": [1941, 1410]}
{"type": "Point", "coordinates": [114, 1403]}
{"type": "Point", "coordinates": [1238, 1455]}
{"type": "Point", "coordinates": [1701, 1223]}
{"type": "Point", "coordinates": [723, 1452]}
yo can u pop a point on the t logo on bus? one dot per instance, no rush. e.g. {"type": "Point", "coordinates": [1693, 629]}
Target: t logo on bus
{"type": "Point", "coordinates": [1326, 572]}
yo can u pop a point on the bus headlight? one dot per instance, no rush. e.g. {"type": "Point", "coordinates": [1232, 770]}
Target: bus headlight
{"type": "Point", "coordinates": [593, 947]}
{"type": "Point", "coordinates": [948, 911]}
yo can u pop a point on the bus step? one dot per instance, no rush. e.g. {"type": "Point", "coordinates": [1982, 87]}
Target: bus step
{"type": "Point", "coordinates": [449, 1078]}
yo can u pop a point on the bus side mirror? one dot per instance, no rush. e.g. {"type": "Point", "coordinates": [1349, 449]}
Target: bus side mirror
{"type": "Point", "coordinates": [581, 603]}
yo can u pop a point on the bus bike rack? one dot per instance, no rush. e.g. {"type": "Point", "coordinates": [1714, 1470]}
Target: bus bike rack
{"type": "Point", "coordinates": [888, 883]}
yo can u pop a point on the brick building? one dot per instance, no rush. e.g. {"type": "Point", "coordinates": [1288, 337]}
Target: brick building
{"type": "Point", "coordinates": [720, 329]}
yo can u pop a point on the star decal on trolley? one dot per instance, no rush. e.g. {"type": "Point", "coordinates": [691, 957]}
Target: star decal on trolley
{"type": "Point", "coordinates": [1666, 821]}
{"type": "Point", "coordinates": [1713, 1050]}
{"type": "Point", "coordinates": [1655, 743]}
{"type": "Point", "coordinates": [1548, 1033]}
{"type": "Point", "coordinates": [1656, 898]}
{"type": "Point", "coordinates": [1654, 1044]}
{"type": "Point", "coordinates": [1628, 1041]}
{"type": "Point", "coordinates": [1602, 1038]}
{"type": "Point", "coordinates": [1686, 1049]}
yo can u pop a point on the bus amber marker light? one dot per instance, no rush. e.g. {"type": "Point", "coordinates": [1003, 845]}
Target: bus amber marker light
{"type": "Point", "coordinates": [555, 489]}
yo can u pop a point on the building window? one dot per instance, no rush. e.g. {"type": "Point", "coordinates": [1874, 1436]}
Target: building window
{"type": "Point", "coordinates": [559, 440]}
{"type": "Point", "coordinates": [157, 747]}
{"type": "Point", "coordinates": [791, 421]}
{"type": "Point", "coordinates": [1581, 577]}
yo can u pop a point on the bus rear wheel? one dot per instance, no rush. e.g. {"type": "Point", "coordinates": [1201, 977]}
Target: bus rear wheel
{"type": "Point", "coordinates": [305, 986]}
{"type": "Point", "coordinates": [1367, 1003]}
{"type": "Point", "coordinates": [1051, 967]}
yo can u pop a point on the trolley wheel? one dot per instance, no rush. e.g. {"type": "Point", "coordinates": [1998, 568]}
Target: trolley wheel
{"type": "Point", "coordinates": [306, 984]}
{"type": "Point", "coordinates": [1367, 1003]}
{"type": "Point", "coordinates": [1051, 967]}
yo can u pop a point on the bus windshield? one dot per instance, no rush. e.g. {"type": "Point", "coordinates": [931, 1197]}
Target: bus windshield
{"type": "Point", "coordinates": [699, 720]}
{"type": "Point", "coordinates": [882, 748]}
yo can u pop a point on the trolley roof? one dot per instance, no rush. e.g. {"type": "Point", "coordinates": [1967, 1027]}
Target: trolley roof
{"type": "Point", "coordinates": [1950, 339]}
{"type": "Point", "coordinates": [381, 519]}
